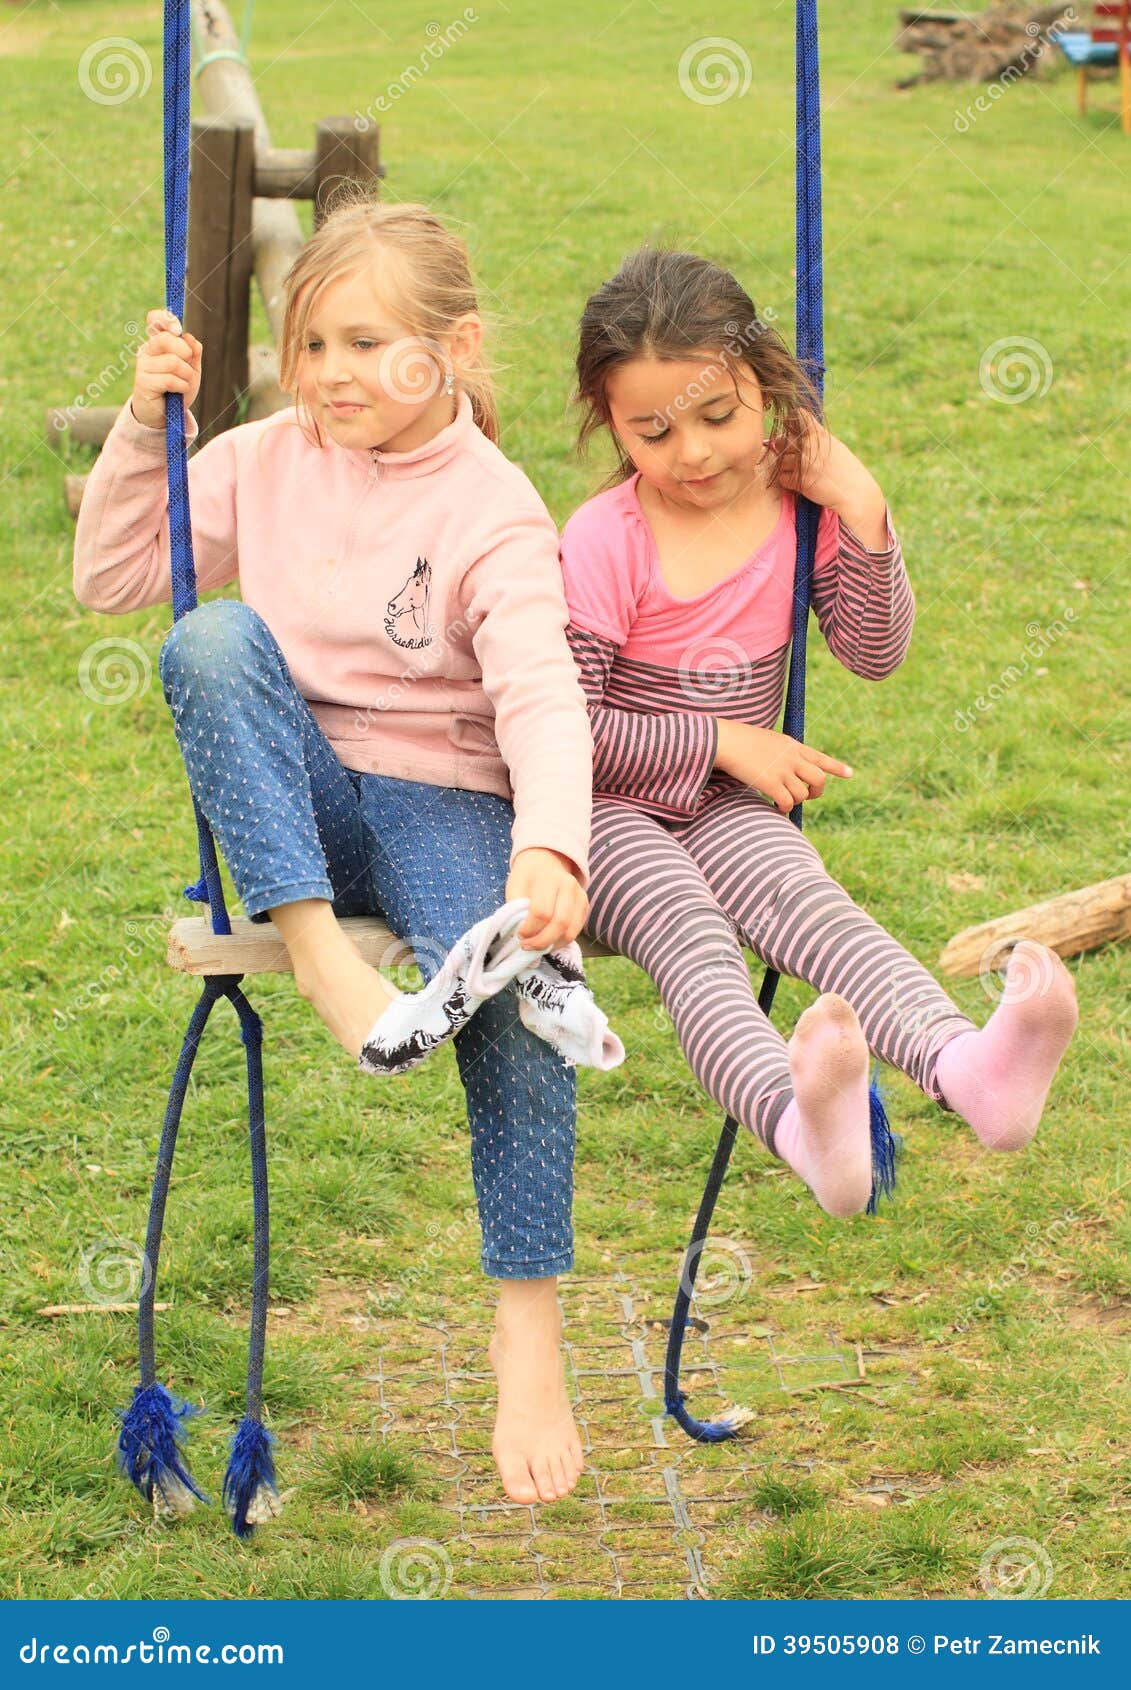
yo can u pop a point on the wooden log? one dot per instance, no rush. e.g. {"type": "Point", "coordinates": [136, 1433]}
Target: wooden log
{"type": "Point", "coordinates": [286, 173]}
{"type": "Point", "coordinates": [345, 152]}
{"type": "Point", "coordinates": [255, 947]}
{"type": "Point", "coordinates": [72, 492]}
{"type": "Point", "coordinates": [88, 425]}
{"type": "Point", "coordinates": [218, 294]}
{"type": "Point", "coordinates": [291, 173]}
{"type": "Point", "coordinates": [1076, 922]}
{"type": "Point", "coordinates": [52, 1310]}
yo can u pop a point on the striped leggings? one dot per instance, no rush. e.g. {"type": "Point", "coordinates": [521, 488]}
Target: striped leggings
{"type": "Point", "coordinates": [681, 897]}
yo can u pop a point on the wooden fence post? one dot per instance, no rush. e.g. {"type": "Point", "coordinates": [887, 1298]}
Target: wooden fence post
{"type": "Point", "coordinates": [220, 265]}
{"type": "Point", "coordinates": [343, 151]}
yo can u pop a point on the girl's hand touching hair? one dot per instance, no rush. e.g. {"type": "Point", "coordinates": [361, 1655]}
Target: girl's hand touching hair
{"type": "Point", "coordinates": [558, 905]}
{"type": "Point", "coordinates": [832, 476]}
{"type": "Point", "coordinates": [786, 771]}
{"type": "Point", "coordinates": [169, 362]}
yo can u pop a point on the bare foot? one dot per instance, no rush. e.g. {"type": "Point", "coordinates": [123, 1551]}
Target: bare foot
{"type": "Point", "coordinates": [825, 1135]}
{"type": "Point", "coordinates": [348, 995]}
{"type": "Point", "coordinates": [536, 1446]}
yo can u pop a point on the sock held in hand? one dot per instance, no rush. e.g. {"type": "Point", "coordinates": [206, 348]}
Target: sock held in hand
{"type": "Point", "coordinates": [479, 964]}
{"type": "Point", "coordinates": [555, 1003]}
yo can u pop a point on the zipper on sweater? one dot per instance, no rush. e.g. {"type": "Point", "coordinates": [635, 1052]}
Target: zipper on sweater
{"type": "Point", "coordinates": [372, 476]}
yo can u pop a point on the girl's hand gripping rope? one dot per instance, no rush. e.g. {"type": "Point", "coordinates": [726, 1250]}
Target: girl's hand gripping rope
{"type": "Point", "coordinates": [168, 362]}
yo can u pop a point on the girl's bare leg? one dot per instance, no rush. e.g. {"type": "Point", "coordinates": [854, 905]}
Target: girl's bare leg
{"type": "Point", "coordinates": [536, 1446]}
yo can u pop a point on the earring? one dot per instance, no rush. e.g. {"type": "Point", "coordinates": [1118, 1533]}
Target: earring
{"type": "Point", "coordinates": [450, 383]}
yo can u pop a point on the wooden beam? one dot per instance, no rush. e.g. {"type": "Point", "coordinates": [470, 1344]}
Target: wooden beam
{"type": "Point", "coordinates": [291, 173]}
{"type": "Point", "coordinates": [72, 492]}
{"type": "Point", "coordinates": [255, 947]}
{"type": "Point", "coordinates": [87, 424]}
{"type": "Point", "coordinates": [219, 265]}
{"type": "Point", "coordinates": [1078, 921]}
{"type": "Point", "coordinates": [344, 153]}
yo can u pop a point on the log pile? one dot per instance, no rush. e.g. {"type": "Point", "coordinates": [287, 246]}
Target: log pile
{"type": "Point", "coordinates": [979, 47]}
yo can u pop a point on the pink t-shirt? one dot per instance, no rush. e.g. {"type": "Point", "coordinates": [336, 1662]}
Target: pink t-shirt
{"type": "Point", "coordinates": [659, 671]}
{"type": "Point", "coordinates": [615, 588]}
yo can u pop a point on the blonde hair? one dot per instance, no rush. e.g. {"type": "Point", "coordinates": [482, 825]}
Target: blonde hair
{"type": "Point", "coordinates": [425, 275]}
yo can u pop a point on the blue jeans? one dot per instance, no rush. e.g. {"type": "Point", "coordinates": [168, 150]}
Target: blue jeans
{"type": "Point", "coordinates": [293, 822]}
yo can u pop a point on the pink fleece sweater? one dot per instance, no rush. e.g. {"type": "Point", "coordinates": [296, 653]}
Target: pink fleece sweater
{"type": "Point", "coordinates": [416, 597]}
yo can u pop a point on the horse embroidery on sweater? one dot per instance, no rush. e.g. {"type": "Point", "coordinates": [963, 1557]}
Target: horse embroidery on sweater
{"type": "Point", "coordinates": [406, 620]}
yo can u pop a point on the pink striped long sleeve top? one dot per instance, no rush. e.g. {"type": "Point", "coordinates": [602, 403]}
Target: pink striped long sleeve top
{"type": "Point", "coordinates": [658, 671]}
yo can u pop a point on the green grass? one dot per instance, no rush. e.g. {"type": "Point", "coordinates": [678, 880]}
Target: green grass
{"type": "Point", "coordinates": [992, 1298]}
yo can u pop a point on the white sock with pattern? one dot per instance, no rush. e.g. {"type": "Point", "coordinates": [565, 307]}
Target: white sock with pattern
{"type": "Point", "coordinates": [479, 964]}
{"type": "Point", "coordinates": [555, 1003]}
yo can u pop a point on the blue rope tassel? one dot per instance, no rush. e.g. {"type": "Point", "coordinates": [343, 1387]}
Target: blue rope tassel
{"type": "Point", "coordinates": [886, 1146]}
{"type": "Point", "coordinates": [250, 1493]}
{"type": "Point", "coordinates": [150, 1452]}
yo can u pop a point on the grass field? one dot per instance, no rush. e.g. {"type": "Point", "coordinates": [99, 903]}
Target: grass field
{"type": "Point", "coordinates": [971, 1343]}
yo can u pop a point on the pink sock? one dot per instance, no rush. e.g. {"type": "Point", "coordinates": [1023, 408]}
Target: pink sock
{"type": "Point", "coordinates": [824, 1134]}
{"type": "Point", "coordinates": [997, 1079]}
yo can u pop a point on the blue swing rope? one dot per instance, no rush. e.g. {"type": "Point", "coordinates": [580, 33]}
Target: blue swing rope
{"type": "Point", "coordinates": [150, 1451]}
{"type": "Point", "coordinates": [811, 354]}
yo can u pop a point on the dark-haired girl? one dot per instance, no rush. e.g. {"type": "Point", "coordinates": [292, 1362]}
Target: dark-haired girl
{"type": "Point", "coordinates": [679, 580]}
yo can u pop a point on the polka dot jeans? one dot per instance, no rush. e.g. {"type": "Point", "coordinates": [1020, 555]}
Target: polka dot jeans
{"type": "Point", "coordinates": [293, 823]}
